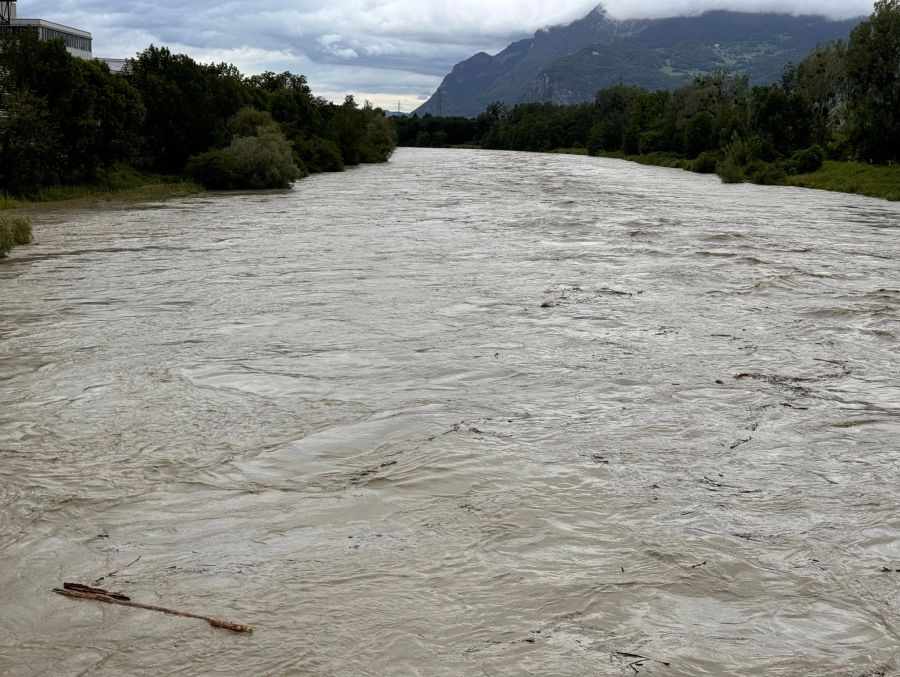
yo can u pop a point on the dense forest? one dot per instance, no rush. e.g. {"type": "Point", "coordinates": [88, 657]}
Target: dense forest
{"type": "Point", "coordinates": [841, 102]}
{"type": "Point", "coordinates": [65, 120]}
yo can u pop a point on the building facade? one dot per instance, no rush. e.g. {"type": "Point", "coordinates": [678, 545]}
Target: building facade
{"type": "Point", "coordinates": [77, 41]}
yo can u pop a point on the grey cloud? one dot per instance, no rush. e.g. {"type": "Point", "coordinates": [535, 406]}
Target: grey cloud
{"type": "Point", "coordinates": [383, 48]}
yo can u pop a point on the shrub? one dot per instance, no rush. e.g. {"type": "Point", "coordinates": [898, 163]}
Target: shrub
{"type": "Point", "coordinates": [729, 170]}
{"type": "Point", "coordinates": [13, 231]}
{"type": "Point", "coordinates": [6, 239]}
{"type": "Point", "coordinates": [265, 161]}
{"type": "Point", "coordinates": [808, 160]}
{"type": "Point", "coordinates": [319, 155]}
{"type": "Point", "coordinates": [21, 230]}
{"type": "Point", "coordinates": [380, 137]}
{"type": "Point", "coordinates": [663, 159]}
{"type": "Point", "coordinates": [122, 177]}
{"type": "Point", "coordinates": [439, 139]}
{"type": "Point", "coordinates": [262, 161]}
{"type": "Point", "coordinates": [766, 173]}
{"type": "Point", "coordinates": [214, 170]}
{"type": "Point", "coordinates": [705, 162]}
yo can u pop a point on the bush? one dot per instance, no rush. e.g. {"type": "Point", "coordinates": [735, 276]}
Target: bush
{"type": "Point", "coordinates": [13, 232]}
{"type": "Point", "coordinates": [663, 159]}
{"type": "Point", "coordinates": [214, 170]}
{"type": "Point", "coordinates": [380, 138]}
{"type": "Point", "coordinates": [21, 230]}
{"type": "Point", "coordinates": [262, 161]}
{"type": "Point", "coordinates": [705, 162]}
{"type": "Point", "coordinates": [439, 139]}
{"type": "Point", "coordinates": [766, 173]}
{"type": "Point", "coordinates": [265, 161]}
{"type": "Point", "coordinates": [6, 240]}
{"type": "Point", "coordinates": [808, 160]}
{"type": "Point", "coordinates": [319, 155]}
{"type": "Point", "coordinates": [729, 170]}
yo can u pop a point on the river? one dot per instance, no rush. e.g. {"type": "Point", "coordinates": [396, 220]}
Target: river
{"type": "Point", "coordinates": [466, 413]}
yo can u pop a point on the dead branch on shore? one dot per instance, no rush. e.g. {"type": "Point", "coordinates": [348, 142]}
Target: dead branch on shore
{"type": "Point", "coordinates": [78, 591]}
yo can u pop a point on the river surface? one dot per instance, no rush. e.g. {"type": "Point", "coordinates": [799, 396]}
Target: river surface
{"type": "Point", "coordinates": [466, 413]}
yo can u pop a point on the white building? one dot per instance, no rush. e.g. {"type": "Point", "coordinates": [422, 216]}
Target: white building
{"type": "Point", "coordinates": [77, 41]}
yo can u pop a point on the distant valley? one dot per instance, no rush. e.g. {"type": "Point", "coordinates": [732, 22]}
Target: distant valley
{"type": "Point", "coordinates": [569, 64]}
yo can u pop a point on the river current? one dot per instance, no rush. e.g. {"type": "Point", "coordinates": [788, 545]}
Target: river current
{"type": "Point", "coordinates": [466, 413]}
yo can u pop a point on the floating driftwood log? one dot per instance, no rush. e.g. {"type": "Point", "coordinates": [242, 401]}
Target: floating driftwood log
{"type": "Point", "coordinates": [78, 591]}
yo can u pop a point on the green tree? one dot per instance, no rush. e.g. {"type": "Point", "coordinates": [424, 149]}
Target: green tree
{"type": "Point", "coordinates": [319, 155]}
{"type": "Point", "coordinates": [873, 75]}
{"type": "Point", "coordinates": [30, 144]}
{"type": "Point", "coordinates": [95, 116]}
{"type": "Point", "coordinates": [782, 119]}
{"type": "Point", "coordinates": [379, 136]}
{"type": "Point", "coordinates": [188, 105]}
{"type": "Point", "coordinates": [248, 121]}
{"type": "Point", "coordinates": [290, 101]}
{"type": "Point", "coordinates": [699, 134]}
{"type": "Point", "coordinates": [614, 108]}
{"type": "Point", "coordinates": [821, 80]}
{"type": "Point", "coordinates": [346, 130]}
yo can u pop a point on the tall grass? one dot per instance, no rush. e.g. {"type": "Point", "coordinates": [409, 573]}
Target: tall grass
{"type": "Point", "coordinates": [853, 177]}
{"type": "Point", "coordinates": [122, 182]}
{"type": "Point", "coordinates": [7, 202]}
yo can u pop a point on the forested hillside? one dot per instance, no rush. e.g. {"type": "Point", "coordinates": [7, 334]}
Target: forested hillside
{"type": "Point", "coordinates": [70, 121]}
{"type": "Point", "coordinates": [841, 102]}
{"type": "Point", "coordinates": [569, 64]}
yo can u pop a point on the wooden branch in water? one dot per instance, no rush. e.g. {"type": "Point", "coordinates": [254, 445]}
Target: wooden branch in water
{"type": "Point", "coordinates": [79, 591]}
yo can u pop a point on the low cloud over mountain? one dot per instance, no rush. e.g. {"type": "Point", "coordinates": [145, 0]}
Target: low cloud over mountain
{"type": "Point", "coordinates": [382, 49]}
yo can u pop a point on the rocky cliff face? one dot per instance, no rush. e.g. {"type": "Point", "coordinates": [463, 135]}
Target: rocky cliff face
{"type": "Point", "coordinates": [569, 64]}
{"type": "Point", "coordinates": [544, 88]}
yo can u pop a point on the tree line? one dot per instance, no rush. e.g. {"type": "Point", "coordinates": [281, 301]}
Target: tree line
{"type": "Point", "coordinates": [842, 101]}
{"type": "Point", "coordinates": [65, 120]}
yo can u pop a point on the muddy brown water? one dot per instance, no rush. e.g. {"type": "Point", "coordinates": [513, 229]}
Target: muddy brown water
{"type": "Point", "coordinates": [467, 413]}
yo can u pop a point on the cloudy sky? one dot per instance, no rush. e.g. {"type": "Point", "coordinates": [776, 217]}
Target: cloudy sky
{"type": "Point", "coordinates": [382, 50]}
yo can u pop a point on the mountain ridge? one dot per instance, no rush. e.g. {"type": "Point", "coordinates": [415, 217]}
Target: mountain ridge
{"type": "Point", "coordinates": [569, 63]}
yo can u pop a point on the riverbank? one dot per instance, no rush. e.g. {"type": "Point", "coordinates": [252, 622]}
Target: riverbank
{"type": "Point", "coordinates": [853, 177]}
{"type": "Point", "coordinates": [123, 185]}
{"type": "Point", "coordinates": [881, 181]}
{"type": "Point", "coordinates": [127, 187]}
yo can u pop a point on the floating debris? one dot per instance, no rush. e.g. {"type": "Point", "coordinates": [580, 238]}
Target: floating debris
{"type": "Point", "coordinates": [79, 591]}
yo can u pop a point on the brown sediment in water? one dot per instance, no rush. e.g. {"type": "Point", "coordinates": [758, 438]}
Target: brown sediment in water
{"type": "Point", "coordinates": [342, 413]}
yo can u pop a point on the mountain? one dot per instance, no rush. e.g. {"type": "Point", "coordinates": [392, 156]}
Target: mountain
{"type": "Point", "coordinates": [569, 64]}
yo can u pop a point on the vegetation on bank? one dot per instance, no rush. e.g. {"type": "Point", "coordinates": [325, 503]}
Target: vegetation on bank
{"type": "Point", "coordinates": [851, 177]}
{"type": "Point", "coordinates": [7, 202]}
{"type": "Point", "coordinates": [841, 104]}
{"type": "Point", "coordinates": [69, 126]}
{"type": "Point", "coordinates": [13, 231]}
{"type": "Point", "coordinates": [121, 182]}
